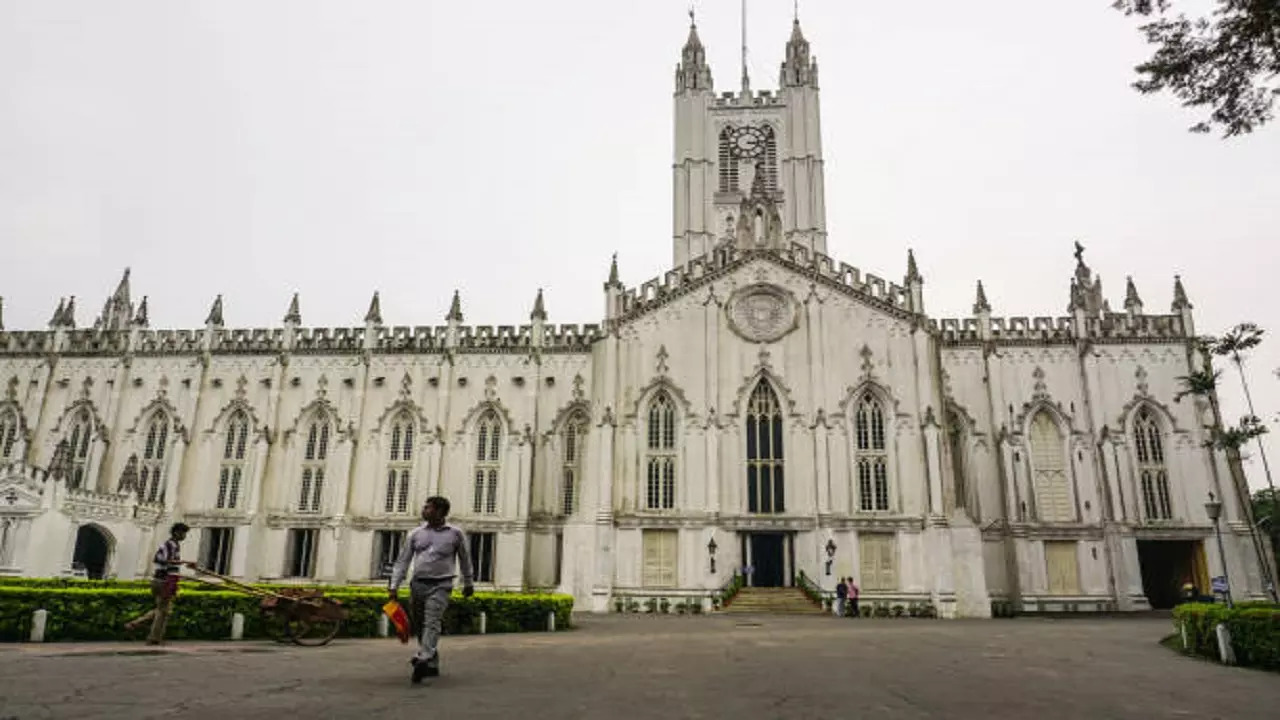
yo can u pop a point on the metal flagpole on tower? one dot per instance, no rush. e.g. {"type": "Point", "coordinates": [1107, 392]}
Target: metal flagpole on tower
{"type": "Point", "coordinates": [746, 82]}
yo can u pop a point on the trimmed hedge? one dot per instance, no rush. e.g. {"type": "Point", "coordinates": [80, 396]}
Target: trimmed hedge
{"type": "Point", "coordinates": [1254, 628]}
{"type": "Point", "coordinates": [86, 610]}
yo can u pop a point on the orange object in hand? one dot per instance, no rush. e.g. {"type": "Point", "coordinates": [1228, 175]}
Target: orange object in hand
{"type": "Point", "coordinates": [399, 618]}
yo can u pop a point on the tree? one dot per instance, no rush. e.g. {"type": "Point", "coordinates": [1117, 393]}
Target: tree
{"type": "Point", "coordinates": [1266, 503]}
{"type": "Point", "coordinates": [1230, 63]}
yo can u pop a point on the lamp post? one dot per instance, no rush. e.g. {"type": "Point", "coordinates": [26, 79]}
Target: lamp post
{"type": "Point", "coordinates": [711, 550]}
{"type": "Point", "coordinates": [1214, 509]}
{"type": "Point", "coordinates": [831, 553]}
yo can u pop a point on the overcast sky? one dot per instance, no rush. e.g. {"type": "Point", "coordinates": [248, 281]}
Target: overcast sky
{"type": "Point", "coordinates": [256, 148]}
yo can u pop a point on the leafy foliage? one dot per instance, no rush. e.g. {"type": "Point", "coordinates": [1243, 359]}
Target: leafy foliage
{"type": "Point", "coordinates": [1254, 628]}
{"type": "Point", "coordinates": [89, 610]}
{"type": "Point", "coordinates": [1227, 62]}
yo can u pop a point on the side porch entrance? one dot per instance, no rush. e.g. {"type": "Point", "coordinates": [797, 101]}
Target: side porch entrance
{"type": "Point", "coordinates": [1166, 565]}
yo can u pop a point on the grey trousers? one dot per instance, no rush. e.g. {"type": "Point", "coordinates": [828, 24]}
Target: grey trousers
{"type": "Point", "coordinates": [428, 600]}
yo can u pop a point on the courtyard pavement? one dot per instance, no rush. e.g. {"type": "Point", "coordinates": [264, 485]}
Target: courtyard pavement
{"type": "Point", "coordinates": [659, 667]}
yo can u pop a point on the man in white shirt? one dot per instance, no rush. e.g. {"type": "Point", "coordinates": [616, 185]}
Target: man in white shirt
{"type": "Point", "coordinates": [433, 548]}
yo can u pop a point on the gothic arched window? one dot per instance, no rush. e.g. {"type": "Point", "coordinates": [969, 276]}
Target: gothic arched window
{"type": "Point", "coordinates": [574, 434]}
{"type": "Point", "coordinates": [315, 455]}
{"type": "Point", "coordinates": [1154, 475]}
{"type": "Point", "coordinates": [79, 437]}
{"type": "Point", "coordinates": [871, 456]}
{"type": "Point", "coordinates": [231, 472]}
{"type": "Point", "coordinates": [660, 458]}
{"type": "Point", "coordinates": [488, 446]}
{"type": "Point", "coordinates": [151, 485]}
{"type": "Point", "coordinates": [9, 430]}
{"type": "Point", "coordinates": [1049, 470]}
{"type": "Point", "coordinates": [765, 487]}
{"type": "Point", "coordinates": [399, 464]}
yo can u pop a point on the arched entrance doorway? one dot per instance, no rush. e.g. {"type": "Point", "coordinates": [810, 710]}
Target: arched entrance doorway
{"type": "Point", "coordinates": [93, 549]}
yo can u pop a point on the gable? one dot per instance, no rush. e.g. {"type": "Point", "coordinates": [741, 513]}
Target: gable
{"type": "Point", "coordinates": [804, 271]}
{"type": "Point", "coordinates": [17, 497]}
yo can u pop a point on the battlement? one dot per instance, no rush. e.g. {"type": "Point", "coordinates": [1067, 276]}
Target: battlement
{"type": "Point", "coordinates": [797, 257]}
{"type": "Point", "coordinates": [246, 341]}
{"type": "Point", "coordinates": [1113, 326]}
{"type": "Point", "coordinates": [326, 340]}
{"type": "Point", "coordinates": [758, 98]}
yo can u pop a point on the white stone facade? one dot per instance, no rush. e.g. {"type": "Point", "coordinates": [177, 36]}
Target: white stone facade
{"type": "Point", "coordinates": [760, 395]}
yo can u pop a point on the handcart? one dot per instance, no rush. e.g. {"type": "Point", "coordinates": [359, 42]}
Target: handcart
{"type": "Point", "coordinates": [303, 616]}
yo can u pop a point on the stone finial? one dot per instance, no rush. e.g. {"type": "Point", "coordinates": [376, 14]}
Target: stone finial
{"type": "Point", "coordinates": [142, 318]}
{"type": "Point", "coordinates": [375, 310]}
{"type": "Point", "coordinates": [215, 313]}
{"type": "Point", "coordinates": [455, 309]}
{"type": "Point", "coordinates": [539, 313]}
{"type": "Point", "coordinates": [980, 304]}
{"type": "Point", "coordinates": [69, 313]}
{"type": "Point", "coordinates": [613, 273]}
{"type": "Point", "coordinates": [693, 72]}
{"type": "Point", "coordinates": [294, 315]}
{"type": "Point", "coordinates": [799, 68]}
{"type": "Point", "coordinates": [913, 272]}
{"type": "Point", "coordinates": [56, 320]}
{"type": "Point", "coordinates": [1132, 302]}
{"type": "Point", "coordinates": [1180, 301]}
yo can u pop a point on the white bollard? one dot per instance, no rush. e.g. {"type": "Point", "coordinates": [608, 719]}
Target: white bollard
{"type": "Point", "coordinates": [237, 626]}
{"type": "Point", "coordinates": [551, 621]}
{"type": "Point", "coordinates": [384, 630]}
{"type": "Point", "coordinates": [1224, 645]}
{"type": "Point", "coordinates": [484, 622]}
{"type": "Point", "coordinates": [39, 619]}
{"type": "Point", "coordinates": [1183, 628]}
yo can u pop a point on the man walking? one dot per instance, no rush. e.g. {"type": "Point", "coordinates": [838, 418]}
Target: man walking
{"type": "Point", "coordinates": [164, 583]}
{"type": "Point", "coordinates": [432, 548]}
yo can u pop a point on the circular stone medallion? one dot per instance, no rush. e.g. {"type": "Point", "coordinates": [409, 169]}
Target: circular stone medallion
{"type": "Point", "coordinates": [762, 313]}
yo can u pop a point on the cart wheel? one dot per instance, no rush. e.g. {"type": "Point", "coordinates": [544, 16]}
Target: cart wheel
{"type": "Point", "coordinates": [314, 632]}
{"type": "Point", "coordinates": [276, 626]}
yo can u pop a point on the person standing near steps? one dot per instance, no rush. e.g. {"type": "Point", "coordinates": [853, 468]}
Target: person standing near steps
{"type": "Point", "coordinates": [433, 548]}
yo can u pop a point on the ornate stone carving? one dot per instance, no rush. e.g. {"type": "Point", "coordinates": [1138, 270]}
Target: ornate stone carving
{"type": "Point", "coordinates": [762, 312]}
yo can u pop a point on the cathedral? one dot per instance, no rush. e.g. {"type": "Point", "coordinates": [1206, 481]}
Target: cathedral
{"type": "Point", "coordinates": [760, 407]}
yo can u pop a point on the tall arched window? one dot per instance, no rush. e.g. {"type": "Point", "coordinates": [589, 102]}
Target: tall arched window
{"type": "Point", "coordinates": [660, 458]}
{"type": "Point", "coordinates": [231, 472]}
{"type": "Point", "coordinates": [1049, 470]}
{"type": "Point", "coordinates": [575, 431]}
{"type": "Point", "coordinates": [79, 438]}
{"type": "Point", "coordinates": [314, 457]}
{"type": "Point", "coordinates": [399, 464]}
{"type": "Point", "coordinates": [9, 428]}
{"type": "Point", "coordinates": [488, 445]}
{"type": "Point", "coordinates": [1152, 472]}
{"type": "Point", "coordinates": [871, 456]}
{"type": "Point", "coordinates": [151, 485]}
{"type": "Point", "coordinates": [765, 486]}
{"type": "Point", "coordinates": [955, 446]}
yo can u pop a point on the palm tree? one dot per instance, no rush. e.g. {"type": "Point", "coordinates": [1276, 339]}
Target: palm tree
{"type": "Point", "coordinates": [1237, 341]}
{"type": "Point", "coordinates": [1203, 383]}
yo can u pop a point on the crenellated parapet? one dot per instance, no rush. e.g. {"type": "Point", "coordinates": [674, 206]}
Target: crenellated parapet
{"type": "Point", "coordinates": [1113, 327]}
{"type": "Point", "coordinates": [756, 99]}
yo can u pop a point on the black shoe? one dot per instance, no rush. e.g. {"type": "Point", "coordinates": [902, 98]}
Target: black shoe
{"type": "Point", "coordinates": [420, 671]}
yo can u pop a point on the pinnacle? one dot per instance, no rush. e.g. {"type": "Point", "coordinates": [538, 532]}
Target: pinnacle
{"type": "Point", "coordinates": [215, 313]}
{"type": "Point", "coordinates": [613, 272]}
{"type": "Point", "coordinates": [980, 304]}
{"type": "Point", "coordinates": [1, 313]}
{"type": "Point", "coordinates": [141, 319]}
{"type": "Point", "coordinates": [455, 309]}
{"type": "Point", "coordinates": [1131, 299]}
{"type": "Point", "coordinates": [913, 272]}
{"type": "Point", "coordinates": [294, 315]}
{"type": "Point", "coordinates": [1180, 301]}
{"type": "Point", "coordinates": [539, 309]}
{"type": "Point", "coordinates": [375, 310]}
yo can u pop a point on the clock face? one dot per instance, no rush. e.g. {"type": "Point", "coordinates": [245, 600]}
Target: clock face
{"type": "Point", "coordinates": [748, 142]}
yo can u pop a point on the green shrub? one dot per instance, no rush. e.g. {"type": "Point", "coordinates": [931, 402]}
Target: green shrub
{"type": "Point", "coordinates": [99, 613]}
{"type": "Point", "coordinates": [1254, 628]}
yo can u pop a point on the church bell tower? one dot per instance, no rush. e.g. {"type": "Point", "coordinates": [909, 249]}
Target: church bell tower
{"type": "Point", "coordinates": [746, 148]}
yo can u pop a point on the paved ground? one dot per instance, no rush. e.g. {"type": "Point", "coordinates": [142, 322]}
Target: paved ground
{"type": "Point", "coordinates": [660, 667]}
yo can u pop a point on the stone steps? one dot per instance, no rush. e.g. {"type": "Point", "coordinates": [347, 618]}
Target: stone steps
{"type": "Point", "coordinates": [773, 601]}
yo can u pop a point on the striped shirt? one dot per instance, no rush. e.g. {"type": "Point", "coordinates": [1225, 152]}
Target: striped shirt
{"type": "Point", "coordinates": [167, 560]}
